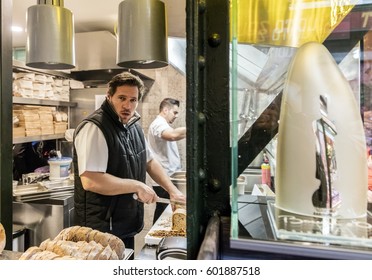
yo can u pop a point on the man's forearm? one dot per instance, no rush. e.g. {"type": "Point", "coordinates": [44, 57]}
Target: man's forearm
{"type": "Point", "coordinates": [159, 175]}
{"type": "Point", "coordinates": [107, 184]}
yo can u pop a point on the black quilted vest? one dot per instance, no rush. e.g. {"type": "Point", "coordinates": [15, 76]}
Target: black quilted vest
{"type": "Point", "coordinates": [120, 214]}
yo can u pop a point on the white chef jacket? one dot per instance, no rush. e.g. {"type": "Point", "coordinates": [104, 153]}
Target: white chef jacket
{"type": "Point", "coordinates": [166, 152]}
{"type": "Point", "coordinates": [92, 151]}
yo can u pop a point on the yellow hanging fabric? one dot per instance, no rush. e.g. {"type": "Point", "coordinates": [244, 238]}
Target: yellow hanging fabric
{"type": "Point", "coordinates": [289, 22]}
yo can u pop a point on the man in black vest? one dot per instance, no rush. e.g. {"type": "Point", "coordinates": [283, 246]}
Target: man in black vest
{"type": "Point", "coordinates": [111, 159]}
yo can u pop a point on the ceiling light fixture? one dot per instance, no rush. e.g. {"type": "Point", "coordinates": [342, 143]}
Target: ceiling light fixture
{"type": "Point", "coordinates": [142, 34]}
{"type": "Point", "coordinates": [50, 36]}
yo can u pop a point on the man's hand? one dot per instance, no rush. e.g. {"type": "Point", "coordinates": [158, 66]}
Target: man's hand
{"type": "Point", "coordinates": [146, 194]}
{"type": "Point", "coordinates": [178, 196]}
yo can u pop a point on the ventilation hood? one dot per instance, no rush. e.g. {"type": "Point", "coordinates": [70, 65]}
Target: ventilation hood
{"type": "Point", "coordinates": [95, 50]}
{"type": "Point", "coordinates": [96, 59]}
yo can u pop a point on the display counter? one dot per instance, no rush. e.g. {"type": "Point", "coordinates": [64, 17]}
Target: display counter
{"type": "Point", "coordinates": [257, 237]}
{"type": "Point", "coordinates": [148, 252]}
{"type": "Point", "coordinates": [44, 218]}
{"type": "Point", "coordinates": [43, 208]}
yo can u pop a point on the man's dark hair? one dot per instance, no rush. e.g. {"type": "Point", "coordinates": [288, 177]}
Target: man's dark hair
{"type": "Point", "coordinates": [125, 79]}
{"type": "Point", "coordinates": [168, 102]}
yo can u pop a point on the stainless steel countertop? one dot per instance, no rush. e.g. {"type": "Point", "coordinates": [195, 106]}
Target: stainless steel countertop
{"type": "Point", "coordinates": [45, 192]}
{"type": "Point", "coordinates": [62, 200]}
{"type": "Point", "coordinates": [148, 252]}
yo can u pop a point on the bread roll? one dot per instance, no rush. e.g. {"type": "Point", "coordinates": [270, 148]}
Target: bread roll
{"type": "Point", "coordinates": [44, 255]}
{"type": "Point", "coordinates": [80, 250]}
{"type": "Point", "coordinates": [107, 254]}
{"type": "Point", "coordinates": [113, 255]}
{"type": "Point", "coordinates": [44, 244]}
{"type": "Point", "coordinates": [2, 238]}
{"type": "Point", "coordinates": [78, 233]}
{"type": "Point", "coordinates": [102, 238]}
{"type": "Point", "coordinates": [179, 219]}
{"type": "Point", "coordinates": [115, 242]}
{"type": "Point", "coordinates": [92, 235]}
{"type": "Point", "coordinates": [81, 234]}
{"type": "Point", "coordinates": [27, 255]}
{"type": "Point", "coordinates": [67, 233]}
{"type": "Point", "coordinates": [96, 249]}
{"type": "Point", "coordinates": [118, 246]}
{"type": "Point", "coordinates": [47, 255]}
{"type": "Point", "coordinates": [81, 243]}
{"type": "Point", "coordinates": [59, 250]}
{"type": "Point", "coordinates": [35, 253]}
{"type": "Point", "coordinates": [71, 233]}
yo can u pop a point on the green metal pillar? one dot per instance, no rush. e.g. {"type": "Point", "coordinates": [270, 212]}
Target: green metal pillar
{"type": "Point", "coordinates": [6, 205]}
{"type": "Point", "coordinates": [207, 117]}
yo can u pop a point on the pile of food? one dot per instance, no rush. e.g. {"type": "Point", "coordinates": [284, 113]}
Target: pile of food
{"type": "Point", "coordinates": [178, 224]}
{"type": "Point", "coordinates": [166, 233]}
{"type": "Point", "coordinates": [78, 243]}
{"type": "Point", "coordinates": [2, 238]}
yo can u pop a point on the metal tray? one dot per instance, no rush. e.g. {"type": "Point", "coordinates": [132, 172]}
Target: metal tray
{"type": "Point", "coordinates": [42, 190]}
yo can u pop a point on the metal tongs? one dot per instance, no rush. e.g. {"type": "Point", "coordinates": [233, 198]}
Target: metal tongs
{"type": "Point", "coordinates": [163, 200]}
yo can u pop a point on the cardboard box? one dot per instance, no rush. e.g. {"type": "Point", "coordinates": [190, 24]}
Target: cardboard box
{"type": "Point", "coordinates": [33, 131]}
{"type": "Point", "coordinates": [19, 131]}
{"type": "Point", "coordinates": [47, 129]}
{"type": "Point", "coordinates": [60, 127]}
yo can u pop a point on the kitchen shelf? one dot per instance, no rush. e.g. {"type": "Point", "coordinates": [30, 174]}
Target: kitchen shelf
{"type": "Point", "coordinates": [19, 140]}
{"type": "Point", "coordinates": [20, 66]}
{"type": "Point", "coordinates": [40, 102]}
{"type": "Point", "coordinates": [44, 102]}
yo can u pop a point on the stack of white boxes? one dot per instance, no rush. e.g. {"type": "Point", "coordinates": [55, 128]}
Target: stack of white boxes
{"type": "Point", "coordinates": [60, 122]}
{"type": "Point", "coordinates": [46, 117]}
{"type": "Point", "coordinates": [31, 85]}
{"type": "Point", "coordinates": [29, 118]}
{"type": "Point", "coordinates": [38, 120]}
{"type": "Point", "coordinates": [61, 89]}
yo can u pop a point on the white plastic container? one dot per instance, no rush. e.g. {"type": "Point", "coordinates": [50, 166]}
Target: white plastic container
{"type": "Point", "coordinates": [59, 168]}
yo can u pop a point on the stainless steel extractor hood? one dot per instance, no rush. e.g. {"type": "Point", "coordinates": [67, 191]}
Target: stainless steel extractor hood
{"type": "Point", "coordinates": [95, 50]}
{"type": "Point", "coordinates": [142, 34]}
{"type": "Point", "coordinates": [50, 36]}
{"type": "Point", "coordinates": [96, 59]}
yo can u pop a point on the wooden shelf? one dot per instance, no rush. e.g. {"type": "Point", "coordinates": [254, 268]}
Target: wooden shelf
{"type": "Point", "coordinates": [19, 66]}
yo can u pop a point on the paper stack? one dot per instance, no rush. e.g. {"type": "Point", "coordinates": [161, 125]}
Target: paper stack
{"type": "Point", "coordinates": [29, 119]}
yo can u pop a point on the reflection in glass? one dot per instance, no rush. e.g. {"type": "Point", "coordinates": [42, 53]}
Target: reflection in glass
{"type": "Point", "coordinates": [326, 199]}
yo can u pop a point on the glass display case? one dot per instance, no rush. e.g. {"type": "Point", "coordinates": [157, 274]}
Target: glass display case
{"type": "Point", "coordinates": [300, 103]}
